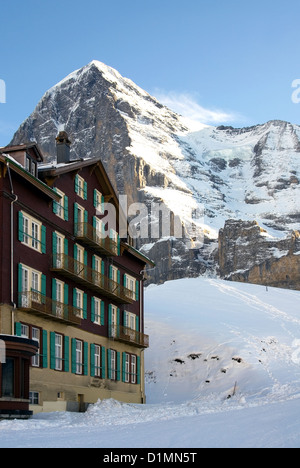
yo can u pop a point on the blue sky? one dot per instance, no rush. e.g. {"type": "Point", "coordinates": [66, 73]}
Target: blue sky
{"type": "Point", "coordinates": [220, 61]}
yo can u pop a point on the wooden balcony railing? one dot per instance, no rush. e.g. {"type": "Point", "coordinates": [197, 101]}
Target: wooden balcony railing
{"type": "Point", "coordinates": [92, 279]}
{"type": "Point", "coordinates": [129, 336]}
{"type": "Point", "coordinates": [90, 236]}
{"type": "Point", "coordinates": [36, 302]}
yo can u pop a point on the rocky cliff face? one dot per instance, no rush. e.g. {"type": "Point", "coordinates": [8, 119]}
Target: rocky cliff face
{"type": "Point", "coordinates": [204, 177]}
{"type": "Point", "coordinates": [248, 253]}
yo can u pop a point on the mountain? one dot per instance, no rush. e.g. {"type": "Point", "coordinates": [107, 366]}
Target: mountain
{"type": "Point", "coordinates": [203, 175]}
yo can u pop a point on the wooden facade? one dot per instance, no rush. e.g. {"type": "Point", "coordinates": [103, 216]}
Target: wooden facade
{"type": "Point", "coordinates": [69, 282]}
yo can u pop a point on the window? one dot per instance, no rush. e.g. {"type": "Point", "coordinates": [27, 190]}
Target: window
{"type": "Point", "coordinates": [97, 313]}
{"type": "Point", "coordinates": [132, 285]}
{"type": "Point", "coordinates": [130, 368]}
{"type": "Point", "coordinates": [130, 320]}
{"type": "Point", "coordinates": [80, 302]}
{"type": "Point", "coordinates": [59, 250]}
{"type": "Point", "coordinates": [59, 297]}
{"type": "Point", "coordinates": [58, 351]}
{"type": "Point", "coordinates": [61, 208]}
{"type": "Point", "coordinates": [98, 202]}
{"type": "Point", "coordinates": [97, 361]}
{"type": "Point", "coordinates": [79, 357]}
{"type": "Point", "coordinates": [32, 286]}
{"type": "Point", "coordinates": [31, 165]}
{"type": "Point", "coordinates": [80, 257]}
{"type": "Point", "coordinates": [33, 333]}
{"type": "Point", "coordinates": [31, 232]}
{"type": "Point", "coordinates": [34, 398]}
{"type": "Point", "coordinates": [80, 220]}
{"type": "Point", "coordinates": [113, 364]}
{"type": "Point", "coordinates": [113, 320]}
{"type": "Point", "coordinates": [35, 360]}
{"type": "Point", "coordinates": [80, 187]}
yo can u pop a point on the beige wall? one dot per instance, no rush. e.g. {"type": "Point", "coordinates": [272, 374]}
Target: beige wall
{"type": "Point", "coordinates": [59, 391]}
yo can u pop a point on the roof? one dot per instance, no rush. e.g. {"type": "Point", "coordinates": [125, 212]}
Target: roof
{"type": "Point", "coordinates": [10, 162]}
{"type": "Point", "coordinates": [24, 147]}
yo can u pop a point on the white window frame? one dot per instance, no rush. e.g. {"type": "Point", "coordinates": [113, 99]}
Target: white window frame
{"type": "Point", "coordinates": [130, 283]}
{"type": "Point", "coordinates": [130, 320]}
{"type": "Point", "coordinates": [133, 365]}
{"type": "Point", "coordinates": [31, 282]}
{"type": "Point", "coordinates": [97, 310]}
{"type": "Point", "coordinates": [98, 202]}
{"type": "Point", "coordinates": [127, 368]}
{"type": "Point", "coordinates": [79, 357]}
{"type": "Point", "coordinates": [60, 206]}
{"type": "Point", "coordinates": [97, 360]}
{"type": "Point", "coordinates": [80, 186]}
{"type": "Point", "coordinates": [79, 301]}
{"type": "Point", "coordinates": [32, 232]}
{"type": "Point", "coordinates": [36, 336]}
{"type": "Point", "coordinates": [113, 364]}
{"type": "Point", "coordinates": [58, 351]}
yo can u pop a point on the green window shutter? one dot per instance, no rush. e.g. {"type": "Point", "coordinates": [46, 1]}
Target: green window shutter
{"type": "Point", "coordinates": [93, 262]}
{"type": "Point", "coordinates": [137, 325]}
{"type": "Point", "coordinates": [137, 287]}
{"type": "Point", "coordinates": [109, 363]}
{"type": "Point", "coordinates": [66, 246]}
{"type": "Point", "coordinates": [73, 356]}
{"type": "Point", "coordinates": [85, 190]}
{"type": "Point", "coordinates": [75, 218]}
{"type": "Point", "coordinates": [75, 251]}
{"type": "Point", "coordinates": [118, 367]}
{"type": "Point", "coordinates": [85, 258]}
{"type": "Point", "coordinates": [67, 353]}
{"type": "Point", "coordinates": [66, 208]}
{"type": "Point", "coordinates": [43, 243]}
{"type": "Point", "coordinates": [18, 329]}
{"type": "Point", "coordinates": [102, 267]}
{"type": "Point", "coordinates": [118, 317]}
{"type": "Point", "coordinates": [74, 298]}
{"type": "Point", "coordinates": [123, 367]}
{"type": "Point", "coordinates": [109, 320]}
{"type": "Point", "coordinates": [92, 309]}
{"type": "Point", "coordinates": [119, 245]}
{"type": "Point", "coordinates": [95, 198]}
{"type": "Point", "coordinates": [45, 349]}
{"type": "Point", "coordinates": [118, 276]}
{"type": "Point", "coordinates": [20, 227]}
{"type": "Point", "coordinates": [103, 373]}
{"type": "Point", "coordinates": [20, 284]}
{"type": "Point", "coordinates": [102, 313]}
{"type": "Point", "coordinates": [76, 184]}
{"type": "Point", "coordinates": [52, 350]}
{"type": "Point", "coordinates": [66, 294]}
{"type": "Point", "coordinates": [43, 288]}
{"type": "Point", "coordinates": [54, 205]}
{"type": "Point", "coordinates": [124, 280]}
{"type": "Point", "coordinates": [85, 357]}
{"type": "Point", "coordinates": [138, 370]}
{"type": "Point", "coordinates": [84, 305]}
{"type": "Point", "coordinates": [110, 271]}
{"type": "Point", "coordinates": [53, 289]}
{"type": "Point", "coordinates": [86, 216]}
{"type": "Point", "coordinates": [92, 358]}
{"type": "Point", "coordinates": [54, 249]}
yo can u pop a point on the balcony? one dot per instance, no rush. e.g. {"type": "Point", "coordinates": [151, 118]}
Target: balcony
{"type": "Point", "coordinates": [92, 279]}
{"type": "Point", "coordinates": [128, 336]}
{"type": "Point", "coordinates": [34, 301]}
{"type": "Point", "coordinates": [91, 237]}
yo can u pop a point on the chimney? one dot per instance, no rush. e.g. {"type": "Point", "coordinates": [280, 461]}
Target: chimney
{"type": "Point", "coordinates": [63, 148]}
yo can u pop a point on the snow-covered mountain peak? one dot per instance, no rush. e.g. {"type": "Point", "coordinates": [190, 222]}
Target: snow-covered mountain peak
{"type": "Point", "coordinates": [153, 154]}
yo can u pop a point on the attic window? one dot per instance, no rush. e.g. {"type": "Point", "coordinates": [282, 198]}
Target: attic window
{"type": "Point", "coordinates": [31, 165]}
